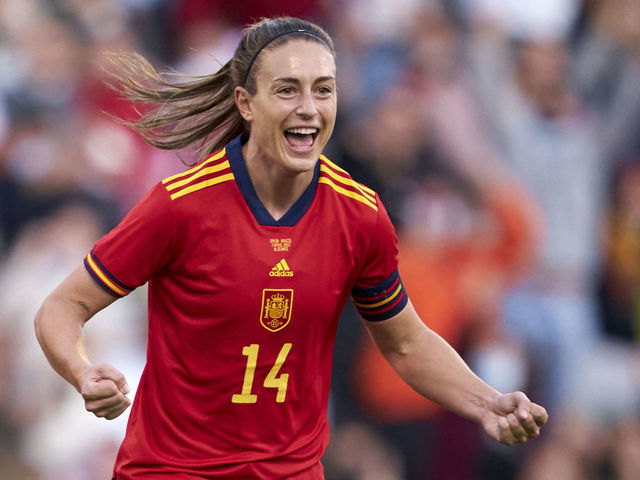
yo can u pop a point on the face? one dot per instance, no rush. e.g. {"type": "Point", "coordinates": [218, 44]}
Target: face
{"type": "Point", "coordinates": [542, 77]}
{"type": "Point", "coordinates": [293, 111]}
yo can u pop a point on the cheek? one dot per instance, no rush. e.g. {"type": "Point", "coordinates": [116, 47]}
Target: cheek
{"type": "Point", "coordinates": [330, 119]}
{"type": "Point", "coordinates": [330, 111]}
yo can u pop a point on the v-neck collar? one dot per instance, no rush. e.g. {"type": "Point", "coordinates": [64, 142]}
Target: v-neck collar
{"type": "Point", "coordinates": [261, 214]}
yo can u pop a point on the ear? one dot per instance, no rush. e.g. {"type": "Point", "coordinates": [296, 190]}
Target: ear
{"type": "Point", "coordinates": [242, 99]}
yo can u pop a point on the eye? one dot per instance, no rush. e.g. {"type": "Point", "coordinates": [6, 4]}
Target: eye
{"type": "Point", "coordinates": [286, 91]}
{"type": "Point", "coordinates": [324, 91]}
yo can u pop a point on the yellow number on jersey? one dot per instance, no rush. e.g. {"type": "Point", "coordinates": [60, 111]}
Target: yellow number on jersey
{"type": "Point", "coordinates": [251, 352]}
{"type": "Point", "coordinates": [272, 380]}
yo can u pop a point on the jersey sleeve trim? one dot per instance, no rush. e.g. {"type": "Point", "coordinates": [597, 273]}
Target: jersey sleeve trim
{"type": "Point", "coordinates": [104, 278]}
{"type": "Point", "coordinates": [381, 301]}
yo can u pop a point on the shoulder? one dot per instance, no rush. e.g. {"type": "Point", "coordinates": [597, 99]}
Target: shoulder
{"type": "Point", "coordinates": [203, 177]}
{"type": "Point", "coordinates": [346, 192]}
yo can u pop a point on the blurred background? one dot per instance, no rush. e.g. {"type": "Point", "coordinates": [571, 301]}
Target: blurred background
{"type": "Point", "coordinates": [504, 139]}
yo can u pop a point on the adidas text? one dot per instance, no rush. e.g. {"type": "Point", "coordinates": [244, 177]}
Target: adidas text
{"type": "Point", "coordinates": [280, 273]}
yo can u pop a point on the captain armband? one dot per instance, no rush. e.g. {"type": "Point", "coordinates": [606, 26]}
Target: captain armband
{"type": "Point", "coordinates": [381, 301]}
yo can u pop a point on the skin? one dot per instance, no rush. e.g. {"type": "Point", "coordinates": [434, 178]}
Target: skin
{"type": "Point", "coordinates": [295, 88]}
{"type": "Point", "coordinates": [435, 370]}
{"type": "Point", "coordinates": [58, 325]}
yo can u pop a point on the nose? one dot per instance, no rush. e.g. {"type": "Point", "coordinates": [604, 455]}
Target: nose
{"type": "Point", "coordinates": [307, 106]}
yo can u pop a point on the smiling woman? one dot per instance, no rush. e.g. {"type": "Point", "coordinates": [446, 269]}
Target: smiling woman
{"type": "Point", "coordinates": [202, 110]}
{"type": "Point", "coordinates": [250, 256]}
{"type": "Point", "coordinates": [291, 116]}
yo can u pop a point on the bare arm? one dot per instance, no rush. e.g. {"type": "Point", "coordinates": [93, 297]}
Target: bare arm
{"type": "Point", "coordinates": [58, 326]}
{"type": "Point", "coordinates": [434, 369]}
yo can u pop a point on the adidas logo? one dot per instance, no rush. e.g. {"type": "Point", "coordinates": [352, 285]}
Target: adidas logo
{"type": "Point", "coordinates": [281, 270]}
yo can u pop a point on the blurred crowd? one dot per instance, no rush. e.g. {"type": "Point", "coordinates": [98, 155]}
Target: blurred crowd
{"type": "Point", "coordinates": [504, 139]}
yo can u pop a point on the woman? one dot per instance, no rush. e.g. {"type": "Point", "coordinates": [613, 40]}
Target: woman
{"type": "Point", "coordinates": [250, 257]}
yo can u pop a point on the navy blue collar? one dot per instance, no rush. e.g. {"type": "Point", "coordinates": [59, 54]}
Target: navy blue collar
{"type": "Point", "coordinates": [239, 168]}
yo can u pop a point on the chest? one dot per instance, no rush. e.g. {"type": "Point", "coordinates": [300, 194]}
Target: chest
{"type": "Point", "coordinates": [234, 273]}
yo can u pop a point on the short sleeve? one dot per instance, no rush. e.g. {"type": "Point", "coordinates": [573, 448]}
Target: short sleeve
{"type": "Point", "coordinates": [130, 254]}
{"type": "Point", "coordinates": [379, 293]}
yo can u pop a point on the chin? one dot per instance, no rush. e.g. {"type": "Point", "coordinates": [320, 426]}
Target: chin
{"type": "Point", "coordinates": [302, 164]}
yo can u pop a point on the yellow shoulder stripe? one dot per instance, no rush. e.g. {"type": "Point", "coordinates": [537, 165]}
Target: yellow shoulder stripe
{"type": "Point", "coordinates": [332, 165]}
{"type": "Point", "coordinates": [217, 156]}
{"type": "Point", "coordinates": [348, 181]}
{"type": "Point", "coordinates": [200, 185]}
{"type": "Point", "coordinates": [336, 167]}
{"type": "Point", "coordinates": [348, 193]}
{"type": "Point", "coordinates": [205, 171]}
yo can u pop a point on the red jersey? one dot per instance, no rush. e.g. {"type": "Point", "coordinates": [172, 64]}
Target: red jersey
{"type": "Point", "coordinates": [243, 311]}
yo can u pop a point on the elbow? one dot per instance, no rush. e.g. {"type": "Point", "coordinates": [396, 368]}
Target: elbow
{"type": "Point", "coordinates": [397, 351]}
{"type": "Point", "coordinates": [44, 317]}
{"type": "Point", "coordinates": [38, 322]}
{"type": "Point", "coordinates": [397, 344]}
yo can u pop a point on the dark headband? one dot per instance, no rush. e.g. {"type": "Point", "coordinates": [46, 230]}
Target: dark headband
{"type": "Point", "coordinates": [288, 32]}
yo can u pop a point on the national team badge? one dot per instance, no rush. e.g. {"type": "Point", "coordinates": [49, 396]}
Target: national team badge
{"type": "Point", "coordinates": [276, 308]}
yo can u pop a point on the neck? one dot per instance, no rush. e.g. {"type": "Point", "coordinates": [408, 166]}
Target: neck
{"type": "Point", "coordinates": [277, 188]}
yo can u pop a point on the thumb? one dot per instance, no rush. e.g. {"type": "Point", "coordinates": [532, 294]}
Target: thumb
{"type": "Point", "coordinates": [108, 372]}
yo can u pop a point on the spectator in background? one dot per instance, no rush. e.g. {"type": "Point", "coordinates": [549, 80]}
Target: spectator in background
{"type": "Point", "coordinates": [607, 67]}
{"type": "Point", "coordinates": [60, 139]}
{"type": "Point", "coordinates": [619, 287]}
{"type": "Point", "coordinates": [550, 143]}
{"type": "Point", "coordinates": [601, 432]}
{"type": "Point", "coordinates": [564, 154]}
{"type": "Point", "coordinates": [523, 20]}
{"type": "Point", "coordinates": [390, 163]}
{"type": "Point", "coordinates": [373, 38]}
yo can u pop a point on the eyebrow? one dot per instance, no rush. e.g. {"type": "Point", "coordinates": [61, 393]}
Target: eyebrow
{"type": "Point", "coordinates": [297, 81]}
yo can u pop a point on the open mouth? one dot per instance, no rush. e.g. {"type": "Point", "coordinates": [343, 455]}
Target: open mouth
{"type": "Point", "coordinates": [301, 139]}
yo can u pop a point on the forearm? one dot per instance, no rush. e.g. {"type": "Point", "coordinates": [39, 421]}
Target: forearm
{"type": "Point", "coordinates": [431, 366]}
{"type": "Point", "coordinates": [58, 326]}
{"type": "Point", "coordinates": [436, 371]}
{"type": "Point", "coordinates": [59, 323]}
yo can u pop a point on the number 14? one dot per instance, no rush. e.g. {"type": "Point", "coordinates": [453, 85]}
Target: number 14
{"type": "Point", "coordinates": [272, 380]}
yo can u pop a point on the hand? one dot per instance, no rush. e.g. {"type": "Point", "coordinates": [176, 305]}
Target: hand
{"type": "Point", "coordinates": [104, 390]}
{"type": "Point", "coordinates": [513, 418]}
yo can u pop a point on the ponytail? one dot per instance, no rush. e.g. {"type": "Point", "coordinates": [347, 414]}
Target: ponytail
{"type": "Point", "coordinates": [201, 111]}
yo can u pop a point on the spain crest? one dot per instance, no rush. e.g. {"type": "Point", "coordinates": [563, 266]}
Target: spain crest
{"type": "Point", "coordinates": [275, 312]}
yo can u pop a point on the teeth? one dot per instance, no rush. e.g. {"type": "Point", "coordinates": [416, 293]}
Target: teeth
{"type": "Point", "coordinates": [303, 131]}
